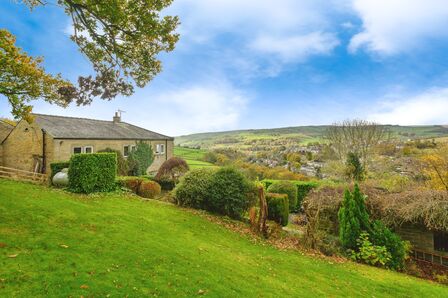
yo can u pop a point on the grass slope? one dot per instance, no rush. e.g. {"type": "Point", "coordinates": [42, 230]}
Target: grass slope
{"type": "Point", "coordinates": [299, 134]}
{"type": "Point", "coordinates": [119, 245]}
{"type": "Point", "coordinates": [194, 157]}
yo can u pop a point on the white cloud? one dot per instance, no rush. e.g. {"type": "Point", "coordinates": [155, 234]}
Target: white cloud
{"type": "Point", "coordinates": [393, 26]}
{"type": "Point", "coordinates": [197, 108]}
{"type": "Point", "coordinates": [278, 32]}
{"type": "Point", "coordinates": [297, 48]}
{"type": "Point", "coordinates": [429, 107]}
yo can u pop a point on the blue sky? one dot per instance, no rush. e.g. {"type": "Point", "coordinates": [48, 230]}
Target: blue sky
{"type": "Point", "coordinates": [265, 63]}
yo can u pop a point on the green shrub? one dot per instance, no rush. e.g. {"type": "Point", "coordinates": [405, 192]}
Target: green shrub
{"type": "Point", "coordinates": [192, 191]}
{"type": "Point", "coordinates": [278, 208]}
{"type": "Point", "coordinates": [303, 188]}
{"type": "Point", "coordinates": [369, 253]}
{"type": "Point", "coordinates": [122, 163]}
{"type": "Point", "coordinates": [353, 218]}
{"type": "Point", "coordinates": [140, 159]}
{"type": "Point", "coordinates": [229, 193]}
{"type": "Point", "coordinates": [171, 171]}
{"type": "Point", "coordinates": [287, 188]}
{"type": "Point", "coordinates": [398, 249]}
{"type": "Point", "coordinates": [149, 189]}
{"type": "Point", "coordinates": [56, 167]}
{"type": "Point", "coordinates": [92, 172]}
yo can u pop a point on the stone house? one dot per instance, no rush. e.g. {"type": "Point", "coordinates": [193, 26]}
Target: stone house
{"type": "Point", "coordinates": [33, 146]}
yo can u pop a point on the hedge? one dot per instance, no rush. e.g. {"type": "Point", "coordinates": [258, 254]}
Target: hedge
{"type": "Point", "coordinates": [287, 188]}
{"type": "Point", "coordinates": [92, 172]}
{"type": "Point", "coordinates": [192, 191]}
{"type": "Point", "coordinates": [278, 208]}
{"type": "Point", "coordinates": [56, 167]}
{"type": "Point", "coordinates": [303, 188]}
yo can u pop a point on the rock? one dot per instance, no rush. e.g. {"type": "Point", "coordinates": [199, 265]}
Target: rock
{"type": "Point", "coordinates": [61, 178]}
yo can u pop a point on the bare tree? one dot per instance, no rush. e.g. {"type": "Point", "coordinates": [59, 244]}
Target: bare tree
{"type": "Point", "coordinates": [356, 136]}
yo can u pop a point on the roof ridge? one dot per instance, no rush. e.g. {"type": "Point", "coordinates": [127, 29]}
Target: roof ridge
{"type": "Point", "coordinates": [151, 131]}
{"type": "Point", "coordinates": [71, 117]}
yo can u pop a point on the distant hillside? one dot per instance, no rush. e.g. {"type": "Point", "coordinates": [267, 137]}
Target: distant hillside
{"type": "Point", "coordinates": [300, 135]}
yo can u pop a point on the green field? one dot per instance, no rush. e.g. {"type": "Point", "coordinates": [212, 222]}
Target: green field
{"type": "Point", "coordinates": [194, 157]}
{"type": "Point", "coordinates": [56, 244]}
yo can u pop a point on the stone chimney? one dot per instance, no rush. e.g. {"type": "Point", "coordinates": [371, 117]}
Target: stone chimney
{"type": "Point", "coordinates": [117, 117]}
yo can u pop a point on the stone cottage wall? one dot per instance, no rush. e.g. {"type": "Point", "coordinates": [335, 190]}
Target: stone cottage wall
{"type": "Point", "coordinates": [63, 148]}
{"type": "Point", "coordinates": [24, 145]}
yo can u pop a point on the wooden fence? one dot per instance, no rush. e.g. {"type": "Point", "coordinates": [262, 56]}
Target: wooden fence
{"type": "Point", "coordinates": [22, 175]}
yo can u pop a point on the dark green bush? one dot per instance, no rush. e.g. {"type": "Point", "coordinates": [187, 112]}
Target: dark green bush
{"type": "Point", "coordinates": [381, 235]}
{"type": "Point", "coordinates": [287, 188]}
{"type": "Point", "coordinates": [303, 188]}
{"type": "Point", "coordinates": [56, 167]}
{"type": "Point", "coordinates": [140, 159]}
{"type": "Point", "coordinates": [92, 172]}
{"type": "Point", "coordinates": [193, 189]}
{"type": "Point", "coordinates": [149, 189]}
{"type": "Point", "coordinates": [122, 163]}
{"type": "Point", "coordinates": [278, 208]}
{"type": "Point", "coordinates": [229, 193]}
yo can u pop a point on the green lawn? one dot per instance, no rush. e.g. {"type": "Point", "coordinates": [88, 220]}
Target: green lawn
{"type": "Point", "coordinates": [194, 157]}
{"type": "Point", "coordinates": [55, 244]}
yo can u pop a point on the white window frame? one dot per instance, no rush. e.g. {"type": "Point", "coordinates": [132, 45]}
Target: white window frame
{"type": "Point", "coordinates": [130, 149]}
{"type": "Point", "coordinates": [159, 147]}
{"type": "Point", "coordinates": [83, 149]}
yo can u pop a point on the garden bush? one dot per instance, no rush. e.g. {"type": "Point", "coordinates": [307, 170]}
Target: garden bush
{"type": "Point", "coordinates": [382, 236]}
{"type": "Point", "coordinates": [122, 163]}
{"type": "Point", "coordinates": [92, 172]}
{"type": "Point", "coordinates": [56, 167]}
{"type": "Point", "coordinates": [303, 188]}
{"type": "Point", "coordinates": [171, 171]}
{"type": "Point", "coordinates": [192, 190]}
{"type": "Point", "coordinates": [229, 193]}
{"type": "Point", "coordinates": [149, 189]}
{"type": "Point", "coordinates": [140, 159]}
{"type": "Point", "coordinates": [278, 208]}
{"type": "Point", "coordinates": [287, 188]}
{"type": "Point", "coordinates": [131, 182]}
{"type": "Point", "coordinates": [369, 253]}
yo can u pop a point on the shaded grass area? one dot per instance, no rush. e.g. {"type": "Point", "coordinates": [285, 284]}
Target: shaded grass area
{"type": "Point", "coordinates": [60, 244]}
{"type": "Point", "coordinates": [194, 157]}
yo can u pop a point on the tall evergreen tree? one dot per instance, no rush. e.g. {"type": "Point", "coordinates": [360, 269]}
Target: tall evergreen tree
{"type": "Point", "coordinates": [353, 218]}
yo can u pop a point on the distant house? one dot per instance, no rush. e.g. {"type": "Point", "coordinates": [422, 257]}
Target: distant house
{"type": "Point", "coordinates": [49, 138]}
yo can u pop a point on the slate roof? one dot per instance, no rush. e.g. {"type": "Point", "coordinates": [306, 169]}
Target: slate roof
{"type": "Point", "coordinates": [61, 127]}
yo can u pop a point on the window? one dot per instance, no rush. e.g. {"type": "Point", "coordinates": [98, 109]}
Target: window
{"type": "Point", "coordinates": [160, 148]}
{"type": "Point", "coordinates": [128, 149]}
{"type": "Point", "coordinates": [441, 241]}
{"type": "Point", "coordinates": [88, 149]}
{"type": "Point", "coordinates": [85, 149]}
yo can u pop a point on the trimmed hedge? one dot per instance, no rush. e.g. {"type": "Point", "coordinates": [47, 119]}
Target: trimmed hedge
{"type": "Point", "coordinates": [149, 189]}
{"type": "Point", "coordinates": [229, 193]}
{"type": "Point", "coordinates": [303, 188]}
{"type": "Point", "coordinates": [92, 172]}
{"type": "Point", "coordinates": [287, 188]}
{"type": "Point", "coordinates": [56, 167]}
{"type": "Point", "coordinates": [278, 208]}
{"type": "Point", "coordinates": [192, 191]}
{"type": "Point", "coordinates": [225, 191]}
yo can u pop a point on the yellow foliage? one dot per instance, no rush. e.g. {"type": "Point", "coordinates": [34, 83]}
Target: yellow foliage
{"type": "Point", "coordinates": [436, 168]}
